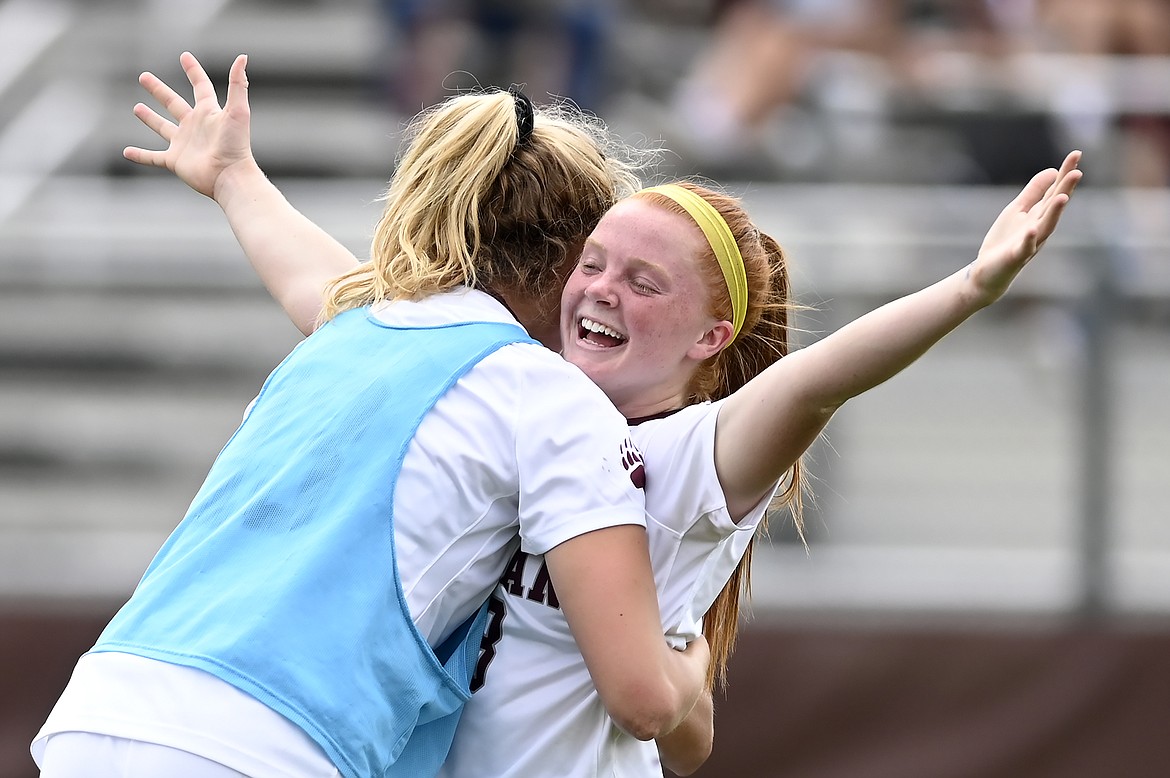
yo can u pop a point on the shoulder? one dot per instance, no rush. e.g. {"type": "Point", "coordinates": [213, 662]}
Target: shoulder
{"type": "Point", "coordinates": [682, 485]}
{"type": "Point", "coordinates": [542, 377]}
{"type": "Point", "coordinates": [691, 426]}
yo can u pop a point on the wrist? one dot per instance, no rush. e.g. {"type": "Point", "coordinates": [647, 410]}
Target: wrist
{"type": "Point", "coordinates": [241, 178]}
{"type": "Point", "coordinates": [974, 293]}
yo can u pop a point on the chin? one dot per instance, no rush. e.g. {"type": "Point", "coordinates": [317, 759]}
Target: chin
{"type": "Point", "coordinates": [595, 372]}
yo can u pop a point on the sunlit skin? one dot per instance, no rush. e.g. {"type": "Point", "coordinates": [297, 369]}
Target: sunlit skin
{"type": "Point", "coordinates": [638, 276]}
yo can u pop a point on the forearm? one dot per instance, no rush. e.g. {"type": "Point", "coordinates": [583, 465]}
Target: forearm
{"type": "Point", "coordinates": [685, 748]}
{"type": "Point", "coordinates": [661, 690]}
{"type": "Point", "coordinates": [294, 258]}
{"type": "Point", "coordinates": [877, 346]}
{"type": "Point", "coordinates": [606, 591]}
{"type": "Point", "coordinates": [767, 425]}
{"type": "Point", "coordinates": [648, 688]}
{"type": "Point", "coordinates": [687, 674]}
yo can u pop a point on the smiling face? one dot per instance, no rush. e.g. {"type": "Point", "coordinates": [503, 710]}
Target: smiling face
{"type": "Point", "coordinates": [635, 313]}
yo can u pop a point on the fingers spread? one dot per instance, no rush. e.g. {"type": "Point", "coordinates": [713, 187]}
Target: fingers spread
{"type": "Point", "coordinates": [168, 98]}
{"type": "Point", "coordinates": [144, 156]}
{"type": "Point", "coordinates": [237, 93]}
{"type": "Point", "coordinates": [238, 72]}
{"type": "Point", "coordinates": [165, 129]}
{"type": "Point", "coordinates": [201, 84]}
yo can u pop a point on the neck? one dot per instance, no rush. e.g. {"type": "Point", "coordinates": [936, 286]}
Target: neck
{"type": "Point", "coordinates": [531, 314]}
{"type": "Point", "coordinates": [645, 406]}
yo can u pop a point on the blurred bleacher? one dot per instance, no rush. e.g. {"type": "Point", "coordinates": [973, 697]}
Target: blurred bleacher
{"type": "Point", "coordinates": [1021, 471]}
{"type": "Point", "coordinates": [134, 331]}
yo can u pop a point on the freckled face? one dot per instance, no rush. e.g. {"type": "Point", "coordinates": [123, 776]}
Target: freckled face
{"type": "Point", "coordinates": [635, 312]}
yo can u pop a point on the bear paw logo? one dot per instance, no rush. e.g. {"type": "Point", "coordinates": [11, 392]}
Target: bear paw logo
{"type": "Point", "coordinates": [633, 464]}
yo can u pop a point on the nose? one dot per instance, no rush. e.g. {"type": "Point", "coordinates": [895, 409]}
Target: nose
{"type": "Point", "coordinates": [601, 289]}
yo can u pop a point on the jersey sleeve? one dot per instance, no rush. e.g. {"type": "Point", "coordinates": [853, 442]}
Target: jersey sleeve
{"type": "Point", "coordinates": [694, 544]}
{"type": "Point", "coordinates": [579, 470]}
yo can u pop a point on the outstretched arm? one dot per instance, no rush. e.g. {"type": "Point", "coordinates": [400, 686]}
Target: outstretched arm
{"type": "Point", "coordinates": [209, 149]}
{"type": "Point", "coordinates": [765, 426]}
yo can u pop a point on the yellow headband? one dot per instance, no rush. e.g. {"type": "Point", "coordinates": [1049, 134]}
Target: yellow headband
{"type": "Point", "coordinates": [722, 243]}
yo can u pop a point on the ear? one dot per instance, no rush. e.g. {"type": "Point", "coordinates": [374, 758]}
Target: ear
{"type": "Point", "coordinates": [712, 341]}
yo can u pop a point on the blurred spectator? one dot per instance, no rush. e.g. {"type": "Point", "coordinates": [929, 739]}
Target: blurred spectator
{"type": "Point", "coordinates": [762, 59]}
{"type": "Point", "coordinates": [848, 70]}
{"type": "Point", "coordinates": [1131, 28]}
{"type": "Point", "coordinates": [1140, 27]}
{"type": "Point", "coordinates": [550, 47]}
{"type": "Point", "coordinates": [826, 82]}
{"type": "Point", "coordinates": [957, 68]}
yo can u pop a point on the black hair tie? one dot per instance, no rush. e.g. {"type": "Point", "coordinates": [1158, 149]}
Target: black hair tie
{"type": "Point", "coordinates": [525, 117]}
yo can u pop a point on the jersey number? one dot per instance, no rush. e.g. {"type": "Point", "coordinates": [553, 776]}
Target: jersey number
{"type": "Point", "coordinates": [487, 644]}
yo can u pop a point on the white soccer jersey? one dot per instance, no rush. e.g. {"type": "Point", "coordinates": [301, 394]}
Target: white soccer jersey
{"type": "Point", "coordinates": [538, 713]}
{"type": "Point", "coordinates": [486, 463]}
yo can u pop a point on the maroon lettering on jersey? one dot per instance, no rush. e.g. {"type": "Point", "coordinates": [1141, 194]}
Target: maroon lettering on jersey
{"type": "Point", "coordinates": [633, 463]}
{"type": "Point", "coordinates": [542, 589]}
{"type": "Point", "coordinates": [494, 630]}
{"type": "Point", "coordinates": [513, 577]}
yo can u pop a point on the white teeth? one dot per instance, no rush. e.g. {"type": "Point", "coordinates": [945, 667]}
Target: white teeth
{"type": "Point", "coordinates": [597, 327]}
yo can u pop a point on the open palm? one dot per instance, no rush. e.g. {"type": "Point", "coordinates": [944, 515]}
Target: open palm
{"type": "Point", "coordinates": [207, 139]}
{"type": "Point", "coordinates": [1023, 227]}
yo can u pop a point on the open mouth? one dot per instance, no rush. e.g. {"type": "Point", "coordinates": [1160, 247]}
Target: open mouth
{"type": "Point", "coordinates": [598, 334]}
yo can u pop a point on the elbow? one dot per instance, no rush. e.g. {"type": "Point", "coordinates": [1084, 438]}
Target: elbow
{"type": "Point", "coordinates": [643, 725]}
{"type": "Point", "coordinates": [647, 702]}
{"type": "Point", "coordinates": [646, 713]}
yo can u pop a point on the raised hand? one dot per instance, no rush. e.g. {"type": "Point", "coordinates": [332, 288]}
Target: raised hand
{"type": "Point", "coordinates": [1022, 228]}
{"type": "Point", "coordinates": [207, 139]}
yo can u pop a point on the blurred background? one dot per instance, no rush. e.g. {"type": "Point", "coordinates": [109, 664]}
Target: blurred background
{"type": "Point", "coordinates": [986, 587]}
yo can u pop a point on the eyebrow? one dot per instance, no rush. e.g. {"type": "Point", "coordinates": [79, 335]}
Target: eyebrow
{"type": "Point", "coordinates": [590, 241]}
{"type": "Point", "coordinates": [638, 263]}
